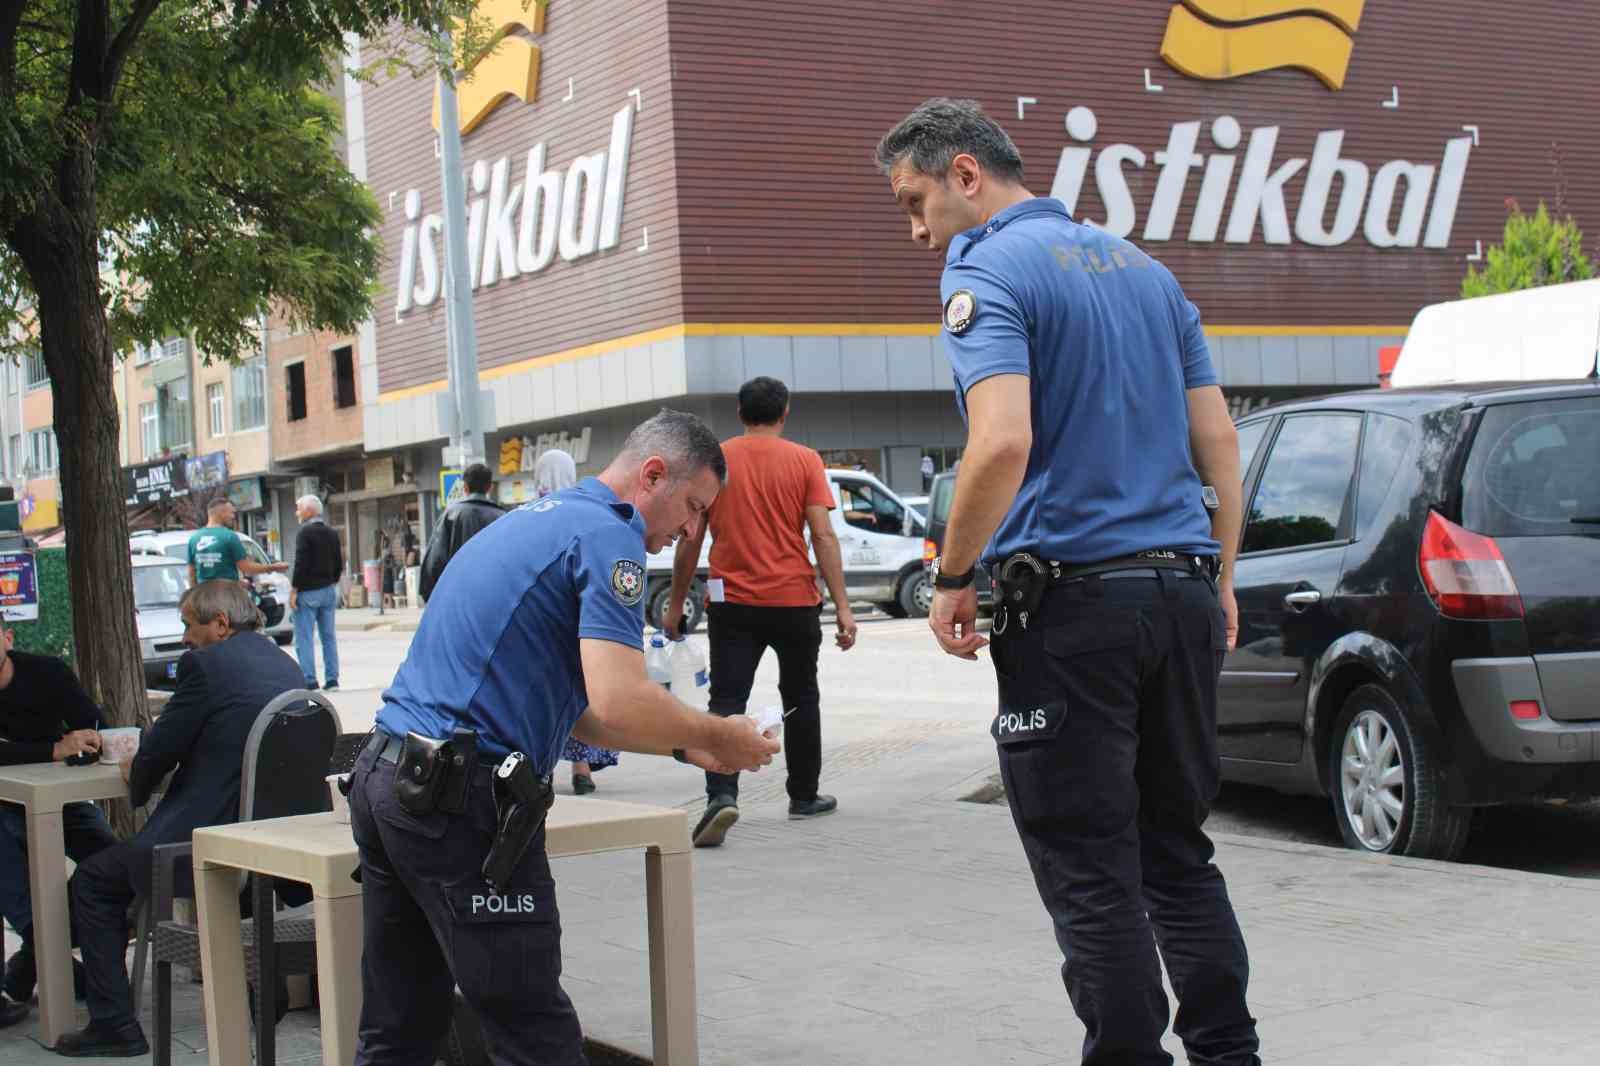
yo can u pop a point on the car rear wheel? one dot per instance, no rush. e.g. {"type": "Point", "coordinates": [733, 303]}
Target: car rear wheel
{"type": "Point", "coordinates": [915, 594]}
{"type": "Point", "coordinates": [696, 607]}
{"type": "Point", "coordinates": [1386, 783]}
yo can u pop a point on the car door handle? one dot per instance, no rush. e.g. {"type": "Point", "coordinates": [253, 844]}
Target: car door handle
{"type": "Point", "coordinates": [1301, 599]}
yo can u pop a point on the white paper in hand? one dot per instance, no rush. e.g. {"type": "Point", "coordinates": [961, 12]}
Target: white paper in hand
{"type": "Point", "coordinates": [770, 719]}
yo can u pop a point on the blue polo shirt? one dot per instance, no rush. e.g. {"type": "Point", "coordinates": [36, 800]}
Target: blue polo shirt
{"type": "Point", "coordinates": [1110, 345]}
{"type": "Point", "coordinates": [497, 650]}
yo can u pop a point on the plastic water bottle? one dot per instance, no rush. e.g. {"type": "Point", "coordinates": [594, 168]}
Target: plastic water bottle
{"type": "Point", "coordinates": [657, 664]}
{"type": "Point", "coordinates": [690, 680]}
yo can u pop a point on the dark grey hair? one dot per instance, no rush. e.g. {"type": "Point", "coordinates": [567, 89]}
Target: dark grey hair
{"type": "Point", "coordinates": [935, 133]}
{"type": "Point", "coordinates": [685, 442]}
{"type": "Point", "coordinates": [208, 599]}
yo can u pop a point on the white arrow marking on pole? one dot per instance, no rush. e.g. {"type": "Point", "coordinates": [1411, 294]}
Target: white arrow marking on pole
{"type": "Point", "coordinates": [1394, 97]}
{"type": "Point", "coordinates": [645, 246]}
{"type": "Point", "coordinates": [1474, 131]}
{"type": "Point", "coordinates": [1150, 86]}
{"type": "Point", "coordinates": [1024, 101]}
{"type": "Point", "coordinates": [1477, 253]}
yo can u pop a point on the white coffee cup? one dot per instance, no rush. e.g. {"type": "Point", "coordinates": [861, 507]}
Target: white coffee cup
{"type": "Point", "coordinates": [119, 743]}
{"type": "Point", "coordinates": [341, 803]}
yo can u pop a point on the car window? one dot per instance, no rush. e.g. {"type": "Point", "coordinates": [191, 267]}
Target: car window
{"type": "Point", "coordinates": [1304, 486]}
{"type": "Point", "coordinates": [253, 550]}
{"type": "Point", "coordinates": [159, 586]}
{"type": "Point", "coordinates": [180, 550]}
{"type": "Point", "coordinates": [944, 494]}
{"type": "Point", "coordinates": [1534, 470]}
{"type": "Point", "coordinates": [868, 508]}
{"type": "Point", "coordinates": [1387, 439]}
{"type": "Point", "coordinates": [1250, 435]}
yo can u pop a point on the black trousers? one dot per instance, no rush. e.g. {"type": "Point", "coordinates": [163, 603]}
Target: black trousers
{"type": "Point", "coordinates": [432, 924]}
{"type": "Point", "coordinates": [740, 635]}
{"type": "Point", "coordinates": [100, 892]}
{"type": "Point", "coordinates": [1107, 746]}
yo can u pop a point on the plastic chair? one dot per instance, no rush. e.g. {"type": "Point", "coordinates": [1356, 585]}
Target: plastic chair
{"type": "Point", "coordinates": [286, 762]}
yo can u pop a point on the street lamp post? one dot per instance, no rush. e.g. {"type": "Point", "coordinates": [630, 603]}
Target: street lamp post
{"type": "Point", "coordinates": [467, 437]}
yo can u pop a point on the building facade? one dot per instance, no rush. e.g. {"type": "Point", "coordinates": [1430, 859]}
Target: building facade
{"type": "Point", "coordinates": [687, 197]}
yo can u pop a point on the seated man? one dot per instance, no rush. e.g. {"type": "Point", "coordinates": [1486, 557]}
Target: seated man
{"type": "Point", "coordinates": [45, 716]}
{"type": "Point", "coordinates": [232, 672]}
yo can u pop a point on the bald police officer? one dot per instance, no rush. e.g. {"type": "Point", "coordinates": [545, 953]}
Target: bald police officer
{"type": "Point", "coordinates": [1094, 417]}
{"type": "Point", "coordinates": [533, 633]}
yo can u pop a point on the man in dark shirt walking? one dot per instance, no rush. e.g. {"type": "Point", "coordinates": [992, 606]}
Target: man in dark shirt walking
{"type": "Point", "coordinates": [223, 684]}
{"type": "Point", "coordinates": [45, 716]}
{"type": "Point", "coordinates": [314, 591]}
{"type": "Point", "coordinates": [462, 520]}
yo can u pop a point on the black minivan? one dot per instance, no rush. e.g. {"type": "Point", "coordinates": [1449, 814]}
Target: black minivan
{"type": "Point", "coordinates": [1419, 606]}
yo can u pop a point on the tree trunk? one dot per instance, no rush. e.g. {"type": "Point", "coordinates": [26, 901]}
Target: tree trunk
{"type": "Point", "coordinates": [58, 245]}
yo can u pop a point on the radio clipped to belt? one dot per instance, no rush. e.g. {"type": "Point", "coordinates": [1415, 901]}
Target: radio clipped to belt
{"type": "Point", "coordinates": [433, 775]}
{"type": "Point", "coordinates": [522, 799]}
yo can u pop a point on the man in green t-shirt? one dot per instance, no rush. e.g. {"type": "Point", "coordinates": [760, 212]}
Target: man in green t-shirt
{"type": "Point", "coordinates": [215, 550]}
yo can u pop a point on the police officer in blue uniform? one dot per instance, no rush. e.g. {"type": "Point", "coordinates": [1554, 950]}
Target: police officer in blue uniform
{"type": "Point", "coordinates": [1096, 435]}
{"type": "Point", "coordinates": [533, 633]}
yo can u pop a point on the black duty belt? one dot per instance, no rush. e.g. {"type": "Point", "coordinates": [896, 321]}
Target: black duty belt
{"type": "Point", "coordinates": [1021, 579]}
{"type": "Point", "coordinates": [390, 746]}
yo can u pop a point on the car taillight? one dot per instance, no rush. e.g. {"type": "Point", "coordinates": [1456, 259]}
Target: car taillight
{"type": "Point", "coordinates": [1465, 574]}
{"type": "Point", "coordinates": [930, 551]}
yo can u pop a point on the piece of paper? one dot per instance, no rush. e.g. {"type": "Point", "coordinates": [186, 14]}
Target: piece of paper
{"type": "Point", "coordinates": [715, 590]}
{"type": "Point", "coordinates": [769, 718]}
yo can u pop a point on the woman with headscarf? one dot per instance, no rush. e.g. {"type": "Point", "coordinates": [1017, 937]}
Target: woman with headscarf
{"type": "Point", "coordinates": [552, 472]}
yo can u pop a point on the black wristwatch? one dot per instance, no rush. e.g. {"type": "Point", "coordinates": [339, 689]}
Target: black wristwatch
{"type": "Point", "coordinates": [942, 580]}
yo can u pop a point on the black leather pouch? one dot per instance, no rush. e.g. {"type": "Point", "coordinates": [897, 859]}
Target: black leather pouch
{"type": "Point", "coordinates": [421, 773]}
{"type": "Point", "coordinates": [462, 749]}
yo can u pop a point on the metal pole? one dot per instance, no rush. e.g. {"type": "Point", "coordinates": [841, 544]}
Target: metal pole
{"type": "Point", "coordinates": [463, 354]}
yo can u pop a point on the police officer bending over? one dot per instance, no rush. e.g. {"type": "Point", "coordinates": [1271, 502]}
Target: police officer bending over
{"type": "Point", "coordinates": [1093, 415]}
{"type": "Point", "coordinates": [534, 633]}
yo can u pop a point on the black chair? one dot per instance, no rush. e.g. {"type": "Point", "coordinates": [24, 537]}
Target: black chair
{"type": "Point", "coordinates": [286, 763]}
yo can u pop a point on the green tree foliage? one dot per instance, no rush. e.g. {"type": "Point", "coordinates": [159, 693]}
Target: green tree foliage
{"type": "Point", "coordinates": [170, 167]}
{"type": "Point", "coordinates": [1537, 249]}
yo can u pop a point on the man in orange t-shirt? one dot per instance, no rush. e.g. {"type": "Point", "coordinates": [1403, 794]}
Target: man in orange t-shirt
{"type": "Point", "coordinates": [763, 594]}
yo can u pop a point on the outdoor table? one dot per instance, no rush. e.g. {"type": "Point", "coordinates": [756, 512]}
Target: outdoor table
{"type": "Point", "coordinates": [42, 789]}
{"type": "Point", "coordinates": [319, 851]}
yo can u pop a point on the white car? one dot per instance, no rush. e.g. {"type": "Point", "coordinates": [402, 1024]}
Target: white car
{"type": "Point", "coordinates": [174, 544]}
{"type": "Point", "coordinates": [159, 582]}
{"type": "Point", "coordinates": [880, 539]}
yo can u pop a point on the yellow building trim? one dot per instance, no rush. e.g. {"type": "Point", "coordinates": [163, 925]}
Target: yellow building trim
{"type": "Point", "coordinates": [825, 329]}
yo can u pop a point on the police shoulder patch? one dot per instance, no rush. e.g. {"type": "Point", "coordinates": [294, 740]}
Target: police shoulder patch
{"type": "Point", "coordinates": [960, 310]}
{"type": "Point", "coordinates": [627, 582]}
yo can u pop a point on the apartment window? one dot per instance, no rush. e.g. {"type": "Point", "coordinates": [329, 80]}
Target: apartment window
{"type": "Point", "coordinates": [33, 365]}
{"type": "Point", "coordinates": [149, 430]}
{"type": "Point", "coordinates": [42, 451]}
{"type": "Point", "coordinates": [215, 401]}
{"type": "Point", "coordinates": [296, 389]}
{"type": "Point", "coordinates": [16, 454]}
{"type": "Point", "coordinates": [172, 347]}
{"type": "Point", "coordinates": [172, 403]}
{"type": "Point", "coordinates": [344, 377]}
{"type": "Point", "coordinates": [250, 394]}
{"type": "Point", "coordinates": [143, 354]}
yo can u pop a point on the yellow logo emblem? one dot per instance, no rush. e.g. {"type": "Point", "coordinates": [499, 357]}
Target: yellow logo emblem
{"type": "Point", "coordinates": [508, 67]}
{"type": "Point", "coordinates": [1222, 39]}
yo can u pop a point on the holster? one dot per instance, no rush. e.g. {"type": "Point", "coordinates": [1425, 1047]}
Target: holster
{"type": "Point", "coordinates": [433, 775]}
{"type": "Point", "coordinates": [522, 799]}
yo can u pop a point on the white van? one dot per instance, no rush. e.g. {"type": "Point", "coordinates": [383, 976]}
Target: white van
{"type": "Point", "coordinates": [1544, 334]}
{"type": "Point", "coordinates": [880, 539]}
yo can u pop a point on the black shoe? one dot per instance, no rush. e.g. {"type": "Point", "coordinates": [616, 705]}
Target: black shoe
{"type": "Point", "coordinates": [329, 687]}
{"type": "Point", "coordinates": [721, 813]}
{"type": "Point", "coordinates": [582, 784]}
{"type": "Point", "coordinates": [102, 1042]}
{"type": "Point", "coordinates": [20, 974]}
{"type": "Point", "coordinates": [814, 808]}
{"type": "Point", "coordinates": [12, 1013]}
{"type": "Point", "coordinates": [311, 686]}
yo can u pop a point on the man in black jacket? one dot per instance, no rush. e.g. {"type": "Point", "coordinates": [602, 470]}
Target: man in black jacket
{"type": "Point", "coordinates": [45, 716]}
{"type": "Point", "coordinates": [223, 684]}
{"type": "Point", "coordinates": [462, 520]}
{"type": "Point", "coordinates": [314, 591]}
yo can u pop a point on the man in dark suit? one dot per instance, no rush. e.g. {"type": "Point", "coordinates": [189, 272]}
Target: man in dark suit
{"type": "Point", "coordinates": [461, 521]}
{"type": "Point", "coordinates": [230, 674]}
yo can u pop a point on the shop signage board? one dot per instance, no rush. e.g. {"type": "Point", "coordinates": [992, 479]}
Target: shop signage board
{"type": "Point", "coordinates": [19, 587]}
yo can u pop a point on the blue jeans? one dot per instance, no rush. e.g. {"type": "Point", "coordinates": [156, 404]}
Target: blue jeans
{"type": "Point", "coordinates": [87, 833]}
{"type": "Point", "coordinates": [316, 608]}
